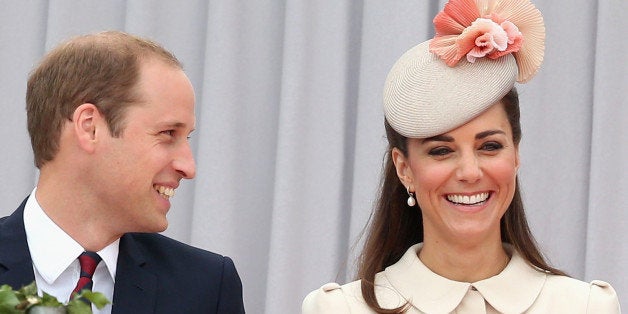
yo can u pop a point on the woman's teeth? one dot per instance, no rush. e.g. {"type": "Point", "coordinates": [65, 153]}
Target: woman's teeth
{"type": "Point", "coordinates": [468, 200]}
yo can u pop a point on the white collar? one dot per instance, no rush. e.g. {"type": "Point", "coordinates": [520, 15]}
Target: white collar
{"type": "Point", "coordinates": [513, 290]}
{"type": "Point", "coordinates": [52, 250]}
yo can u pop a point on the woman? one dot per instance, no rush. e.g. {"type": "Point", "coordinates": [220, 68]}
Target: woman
{"type": "Point", "coordinates": [449, 234]}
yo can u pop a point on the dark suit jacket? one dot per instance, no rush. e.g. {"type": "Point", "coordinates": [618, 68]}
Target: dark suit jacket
{"type": "Point", "coordinates": [155, 274]}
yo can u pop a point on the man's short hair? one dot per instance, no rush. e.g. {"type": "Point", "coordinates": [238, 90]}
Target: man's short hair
{"type": "Point", "coordinates": [102, 69]}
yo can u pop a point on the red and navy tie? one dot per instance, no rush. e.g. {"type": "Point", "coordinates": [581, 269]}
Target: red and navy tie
{"type": "Point", "coordinates": [88, 261]}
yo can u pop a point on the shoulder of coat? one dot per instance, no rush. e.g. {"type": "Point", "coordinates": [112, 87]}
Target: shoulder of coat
{"type": "Point", "coordinates": [330, 286]}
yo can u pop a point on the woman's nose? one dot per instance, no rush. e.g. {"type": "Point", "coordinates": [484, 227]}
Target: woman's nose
{"type": "Point", "coordinates": [469, 169]}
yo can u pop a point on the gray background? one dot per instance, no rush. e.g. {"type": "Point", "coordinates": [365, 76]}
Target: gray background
{"type": "Point", "coordinates": [290, 140]}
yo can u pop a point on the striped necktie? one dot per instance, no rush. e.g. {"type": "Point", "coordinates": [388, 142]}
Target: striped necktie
{"type": "Point", "coordinates": [88, 261]}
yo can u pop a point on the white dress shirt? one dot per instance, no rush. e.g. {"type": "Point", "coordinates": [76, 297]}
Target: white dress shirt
{"type": "Point", "coordinates": [54, 254]}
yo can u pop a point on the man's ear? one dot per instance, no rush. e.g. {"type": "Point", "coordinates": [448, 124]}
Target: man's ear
{"type": "Point", "coordinates": [403, 168]}
{"type": "Point", "coordinates": [86, 119]}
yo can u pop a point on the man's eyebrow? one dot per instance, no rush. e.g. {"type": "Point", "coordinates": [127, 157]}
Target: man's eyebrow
{"type": "Point", "coordinates": [172, 124]}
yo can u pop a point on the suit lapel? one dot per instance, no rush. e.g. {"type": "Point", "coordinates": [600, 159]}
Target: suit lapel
{"type": "Point", "coordinates": [135, 288]}
{"type": "Point", "coordinates": [16, 265]}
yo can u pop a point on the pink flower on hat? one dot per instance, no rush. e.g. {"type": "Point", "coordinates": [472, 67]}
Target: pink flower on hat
{"type": "Point", "coordinates": [490, 28]}
{"type": "Point", "coordinates": [487, 38]}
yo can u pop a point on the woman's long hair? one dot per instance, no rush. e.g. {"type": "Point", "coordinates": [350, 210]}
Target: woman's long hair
{"type": "Point", "coordinates": [395, 226]}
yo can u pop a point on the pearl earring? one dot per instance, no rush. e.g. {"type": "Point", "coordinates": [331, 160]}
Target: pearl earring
{"type": "Point", "coordinates": [411, 200]}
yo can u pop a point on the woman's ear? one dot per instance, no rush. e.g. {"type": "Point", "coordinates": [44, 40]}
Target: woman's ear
{"type": "Point", "coordinates": [403, 167]}
{"type": "Point", "coordinates": [85, 120]}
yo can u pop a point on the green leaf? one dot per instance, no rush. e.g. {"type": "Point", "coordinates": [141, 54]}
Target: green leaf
{"type": "Point", "coordinates": [98, 299]}
{"type": "Point", "coordinates": [49, 300]}
{"type": "Point", "coordinates": [76, 306]}
{"type": "Point", "coordinates": [29, 290]}
{"type": "Point", "coordinates": [6, 288]}
{"type": "Point", "coordinates": [20, 301]}
{"type": "Point", "coordinates": [8, 301]}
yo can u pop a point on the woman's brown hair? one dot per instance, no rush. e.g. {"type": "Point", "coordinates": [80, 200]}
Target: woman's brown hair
{"type": "Point", "coordinates": [395, 226]}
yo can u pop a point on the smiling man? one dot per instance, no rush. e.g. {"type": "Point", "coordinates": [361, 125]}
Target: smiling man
{"type": "Point", "coordinates": [109, 116]}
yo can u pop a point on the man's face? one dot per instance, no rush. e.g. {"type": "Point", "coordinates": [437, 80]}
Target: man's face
{"type": "Point", "coordinates": [139, 171]}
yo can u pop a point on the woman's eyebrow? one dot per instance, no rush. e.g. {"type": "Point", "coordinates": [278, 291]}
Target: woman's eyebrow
{"type": "Point", "coordinates": [438, 138]}
{"type": "Point", "coordinates": [484, 134]}
{"type": "Point", "coordinates": [447, 138]}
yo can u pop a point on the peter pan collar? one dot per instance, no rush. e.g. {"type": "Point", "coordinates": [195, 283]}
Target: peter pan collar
{"type": "Point", "coordinates": [513, 290]}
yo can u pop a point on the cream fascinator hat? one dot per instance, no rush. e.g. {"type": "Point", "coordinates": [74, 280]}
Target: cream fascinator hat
{"type": "Point", "coordinates": [480, 49]}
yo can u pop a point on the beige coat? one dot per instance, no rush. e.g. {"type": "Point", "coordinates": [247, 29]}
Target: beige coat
{"type": "Point", "coordinates": [519, 288]}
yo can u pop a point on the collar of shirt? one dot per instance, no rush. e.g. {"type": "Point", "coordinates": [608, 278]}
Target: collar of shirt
{"type": "Point", "coordinates": [512, 291]}
{"type": "Point", "coordinates": [52, 250]}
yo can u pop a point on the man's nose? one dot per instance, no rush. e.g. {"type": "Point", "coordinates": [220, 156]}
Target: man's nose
{"type": "Point", "coordinates": [184, 161]}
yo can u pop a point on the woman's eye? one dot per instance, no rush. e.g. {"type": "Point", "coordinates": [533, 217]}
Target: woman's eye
{"type": "Point", "coordinates": [491, 146]}
{"type": "Point", "coordinates": [168, 132]}
{"type": "Point", "coordinates": [439, 151]}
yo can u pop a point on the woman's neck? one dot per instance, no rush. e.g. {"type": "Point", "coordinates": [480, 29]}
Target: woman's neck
{"type": "Point", "coordinates": [465, 263]}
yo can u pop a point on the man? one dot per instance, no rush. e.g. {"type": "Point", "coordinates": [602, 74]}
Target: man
{"type": "Point", "coordinates": [109, 116]}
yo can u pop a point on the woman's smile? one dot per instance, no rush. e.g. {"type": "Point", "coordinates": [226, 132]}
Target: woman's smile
{"type": "Point", "coordinates": [474, 199]}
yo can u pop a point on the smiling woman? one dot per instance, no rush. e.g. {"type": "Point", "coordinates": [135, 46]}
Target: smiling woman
{"type": "Point", "coordinates": [464, 181]}
{"type": "Point", "coordinates": [449, 233]}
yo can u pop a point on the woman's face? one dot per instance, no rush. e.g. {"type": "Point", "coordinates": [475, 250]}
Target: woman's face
{"type": "Point", "coordinates": [464, 179]}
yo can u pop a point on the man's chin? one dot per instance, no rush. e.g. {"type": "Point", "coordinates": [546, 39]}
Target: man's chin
{"type": "Point", "coordinates": [154, 227]}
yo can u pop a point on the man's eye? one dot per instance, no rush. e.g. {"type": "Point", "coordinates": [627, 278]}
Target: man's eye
{"type": "Point", "coordinates": [439, 151]}
{"type": "Point", "coordinates": [167, 132]}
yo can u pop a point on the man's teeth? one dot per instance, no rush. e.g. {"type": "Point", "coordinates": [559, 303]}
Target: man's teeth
{"type": "Point", "coordinates": [468, 200]}
{"type": "Point", "coordinates": [165, 191]}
